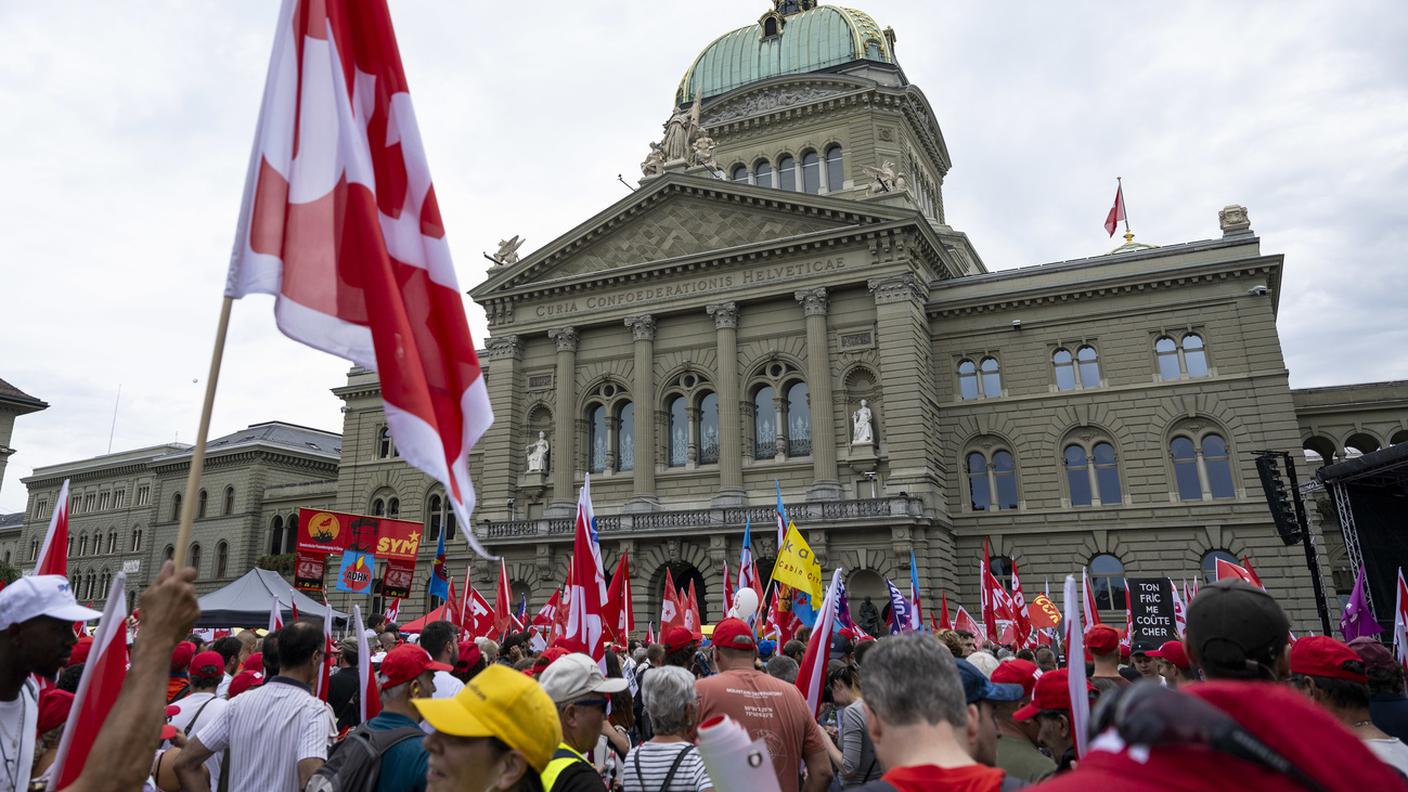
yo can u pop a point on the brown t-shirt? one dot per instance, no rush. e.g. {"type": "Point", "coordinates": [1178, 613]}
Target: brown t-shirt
{"type": "Point", "coordinates": [769, 709]}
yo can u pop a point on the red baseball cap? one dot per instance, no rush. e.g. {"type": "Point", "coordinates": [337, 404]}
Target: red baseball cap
{"type": "Point", "coordinates": [469, 655]}
{"type": "Point", "coordinates": [255, 663]}
{"type": "Point", "coordinates": [54, 705]}
{"type": "Point", "coordinates": [1052, 692]}
{"type": "Point", "coordinates": [208, 665]}
{"type": "Point", "coordinates": [1173, 652]}
{"type": "Point", "coordinates": [245, 680]}
{"type": "Point", "coordinates": [404, 663]}
{"type": "Point", "coordinates": [677, 638]}
{"type": "Point", "coordinates": [80, 650]}
{"type": "Point", "coordinates": [1102, 639]}
{"type": "Point", "coordinates": [1016, 672]}
{"type": "Point", "coordinates": [181, 656]}
{"type": "Point", "coordinates": [1323, 656]}
{"type": "Point", "coordinates": [734, 634]}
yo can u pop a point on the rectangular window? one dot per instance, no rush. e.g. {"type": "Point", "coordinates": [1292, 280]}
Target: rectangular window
{"type": "Point", "coordinates": [41, 507]}
{"type": "Point", "coordinates": [144, 495]}
{"type": "Point", "coordinates": [88, 501]}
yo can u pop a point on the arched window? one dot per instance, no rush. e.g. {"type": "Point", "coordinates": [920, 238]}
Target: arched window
{"type": "Point", "coordinates": [1089, 362]}
{"type": "Point", "coordinates": [378, 507]}
{"type": "Point", "coordinates": [811, 172]}
{"type": "Point", "coordinates": [626, 437]}
{"type": "Point", "coordinates": [1185, 468]}
{"type": "Point", "coordinates": [1001, 567]}
{"type": "Point", "coordinates": [136, 539]}
{"type": "Point", "coordinates": [112, 541]}
{"type": "Point", "coordinates": [193, 556]}
{"type": "Point", "coordinates": [708, 429]}
{"type": "Point", "coordinates": [1092, 473]}
{"type": "Point", "coordinates": [799, 421]}
{"type": "Point", "coordinates": [83, 545]}
{"type": "Point", "coordinates": [1195, 357]}
{"type": "Point", "coordinates": [393, 507]}
{"type": "Point", "coordinates": [967, 380]}
{"type": "Point", "coordinates": [739, 173]}
{"type": "Point", "coordinates": [764, 423]}
{"type": "Point", "coordinates": [1209, 565]}
{"type": "Point", "coordinates": [596, 438]}
{"type": "Point", "coordinates": [1065, 368]}
{"type": "Point", "coordinates": [229, 500]}
{"type": "Point", "coordinates": [33, 549]}
{"type": "Point", "coordinates": [1202, 468]}
{"type": "Point", "coordinates": [787, 173]}
{"type": "Point", "coordinates": [1187, 357]}
{"type": "Point", "coordinates": [291, 533]}
{"type": "Point", "coordinates": [170, 553]}
{"type": "Point", "coordinates": [991, 377]}
{"type": "Point", "coordinates": [439, 513]}
{"type": "Point", "coordinates": [383, 442]}
{"type": "Point", "coordinates": [69, 550]}
{"type": "Point", "coordinates": [979, 488]}
{"type": "Point", "coordinates": [679, 432]}
{"type": "Point", "coordinates": [1004, 473]}
{"type": "Point", "coordinates": [222, 559]}
{"type": "Point", "coordinates": [762, 173]}
{"type": "Point", "coordinates": [835, 179]}
{"type": "Point", "coordinates": [176, 506]}
{"type": "Point", "coordinates": [276, 535]}
{"type": "Point", "coordinates": [770, 27]}
{"type": "Point", "coordinates": [201, 501]}
{"type": "Point", "coordinates": [1166, 352]}
{"type": "Point", "coordinates": [1107, 582]}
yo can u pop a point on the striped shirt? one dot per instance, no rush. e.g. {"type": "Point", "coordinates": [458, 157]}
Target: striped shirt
{"type": "Point", "coordinates": [648, 763]}
{"type": "Point", "coordinates": [268, 730]}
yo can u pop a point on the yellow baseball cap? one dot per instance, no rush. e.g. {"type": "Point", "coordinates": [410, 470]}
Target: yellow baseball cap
{"type": "Point", "coordinates": [503, 703]}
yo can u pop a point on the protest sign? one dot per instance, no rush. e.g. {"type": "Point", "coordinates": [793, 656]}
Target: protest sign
{"type": "Point", "coordinates": [1151, 611]}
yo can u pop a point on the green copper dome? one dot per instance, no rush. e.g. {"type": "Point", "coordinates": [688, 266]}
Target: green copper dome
{"type": "Point", "coordinates": [814, 40]}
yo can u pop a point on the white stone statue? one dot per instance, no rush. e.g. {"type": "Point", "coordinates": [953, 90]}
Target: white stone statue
{"type": "Point", "coordinates": [704, 150]}
{"type": "Point", "coordinates": [884, 178]}
{"type": "Point", "coordinates": [508, 250]}
{"type": "Point", "coordinates": [654, 162]}
{"type": "Point", "coordinates": [679, 134]}
{"type": "Point", "coordinates": [538, 454]}
{"type": "Point", "coordinates": [862, 430]}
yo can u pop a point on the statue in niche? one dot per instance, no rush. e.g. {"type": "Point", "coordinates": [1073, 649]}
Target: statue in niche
{"type": "Point", "coordinates": [654, 162]}
{"type": "Point", "coordinates": [538, 454]}
{"type": "Point", "coordinates": [862, 427]}
{"type": "Point", "coordinates": [869, 617]}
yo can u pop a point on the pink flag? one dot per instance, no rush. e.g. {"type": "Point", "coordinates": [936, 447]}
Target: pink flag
{"type": "Point", "coordinates": [341, 225]}
{"type": "Point", "coordinates": [1400, 621]}
{"type": "Point", "coordinates": [53, 553]}
{"type": "Point", "coordinates": [371, 695]}
{"type": "Point", "coordinates": [1075, 650]}
{"type": "Point", "coordinates": [1112, 220]}
{"type": "Point", "coordinates": [812, 673]}
{"type": "Point", "coordinates": [98, 688]}
{"type": "Point", "coordinates": [586, 591]}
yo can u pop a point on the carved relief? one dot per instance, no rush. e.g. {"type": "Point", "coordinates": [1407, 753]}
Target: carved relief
{"type": "Point", "coordinates": [725, 314]}
{"type": "Point", "coordinates": [503, 347]}
{"type": "Point", "coordinates": [767, 100]}
{"type": "Point", "coordinates": [642, 327]}
{"type": "Point", "coordinates": [814, 301]}
{"type": "Point", "coordinates": [565, 337]}
{"type": "Point", "coordinates": [897, 288]}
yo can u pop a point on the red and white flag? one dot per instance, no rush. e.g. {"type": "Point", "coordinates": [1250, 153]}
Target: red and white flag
{"type": "Point", "coordinates": [548, 613]}
{"type": "Point", "coordinates": [620, 615]}
{"type": "Point", "coordinates": [812, 674]}
{"type": "Point", "coordinates": [1112, 220]}
{"type": "Point", "coordinates": [323, 678]}
{"type": "Point", "coordinates": [944, 623]}
{"type": "Point", "coordinates": [586, 590]}
{"type": "Point", "coordinates": [340, 223]}
{"type": "Point", "coordinates": [98, 688]}
{"type": "Point", "coordinates": [478, 616]}
{"type": "Point", "coordinates": [649, 633]}
{"type": "Point", "coordinates": [962, 622]}
{"type": "Point", "coordinates": [728, 589]}
{"type": "Point", "coordinates": [465, 606]}
{"type": "Point", "coordinates": [692, 617]}
{"type": "Point", "coordinates": [1227, 569]}
{"type": "Point", "coordinates": [53, 553]}
{"type": "Point", "coordinates": [1075, 648]}
{"type": "Point", "coordinates": [393, 611]}
{"type": "Point", "coordinates": [1090, 614]}
{"type": "Point", "coordinates": [276, 617]}
{"type": "Point", "coordinates": [671, 614]}
{"type": "Point", "coordinates": [1180, 610]}
{"type": "Point", "coordinates": [781, 622]}
{"type": "Point", "coordinates": [1019, 610]}
{"type": "Point", "coordinates": [1255, 578]}
{"type": "Point", "coordinates": [503, 603]}
{"type": "Point", "coordinates": [370, 705]}
{"type": "Point", "coordinates": [985, 595]}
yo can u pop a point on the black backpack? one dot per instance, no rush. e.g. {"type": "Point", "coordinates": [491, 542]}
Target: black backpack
{"type": "Point", "coordinates": [355, 763]}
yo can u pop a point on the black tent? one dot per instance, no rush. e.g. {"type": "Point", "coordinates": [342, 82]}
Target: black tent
{"type": "Point", "coordinates": [1370, 493]}
{"type": "Point", "coordinates": [246, 602]}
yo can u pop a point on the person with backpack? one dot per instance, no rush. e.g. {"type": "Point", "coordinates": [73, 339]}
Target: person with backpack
{"type": "Point", "coordinates": [387, 753]}
{"type": "Point", "coordinates": [201, 705]}
{"type": "Point", "coordinates": [669, 761]}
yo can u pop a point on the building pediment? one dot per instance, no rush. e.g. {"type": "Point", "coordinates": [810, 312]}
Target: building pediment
{"type": "Point", "coordinates": [679, 217]}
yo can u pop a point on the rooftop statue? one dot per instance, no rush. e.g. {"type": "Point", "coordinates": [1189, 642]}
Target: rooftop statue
{"type": "Point", "coordinates": [508, 251]}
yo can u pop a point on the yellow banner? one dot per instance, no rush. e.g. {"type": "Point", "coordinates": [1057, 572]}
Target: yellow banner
{"type": "Point", "coordinates": [796, 565]}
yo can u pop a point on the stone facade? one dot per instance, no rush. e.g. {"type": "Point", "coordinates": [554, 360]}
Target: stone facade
{"type": "Point", "coordinates": [13, 403]}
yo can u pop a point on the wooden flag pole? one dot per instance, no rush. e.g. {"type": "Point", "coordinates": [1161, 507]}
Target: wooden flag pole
{"type": "Point", "coordinates": [188, 502]}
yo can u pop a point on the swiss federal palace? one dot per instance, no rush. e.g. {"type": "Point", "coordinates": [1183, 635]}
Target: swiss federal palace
{"type": "Point", "coordinates": [783, 304]}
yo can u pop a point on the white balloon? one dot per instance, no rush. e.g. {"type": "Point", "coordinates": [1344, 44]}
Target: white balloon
{"type": "Point", "coordinates": [745, 603]}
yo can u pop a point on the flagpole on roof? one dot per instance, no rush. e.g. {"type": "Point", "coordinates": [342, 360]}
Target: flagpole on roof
{"type": "Point", "coordinates": [1124, 206]}
{"type": "Point", "coordinates": [188, 501]}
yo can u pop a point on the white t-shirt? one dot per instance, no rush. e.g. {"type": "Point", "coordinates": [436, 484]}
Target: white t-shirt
{"type": "Point", "coordinates": [1391, 751]}
{"type": "Point", "coordinates": [223, 691]}
{"type": "Point", "coordinates": [18, 720]}
{"type": "Point", "coordinates": [446, 686]}
{"type": "Point", "coordinates": [209, 707]}
{"type": "Point", "coordinates": [654, 759]}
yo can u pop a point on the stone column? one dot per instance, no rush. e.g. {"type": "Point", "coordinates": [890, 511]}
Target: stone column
{"type": "Point", "coordinates": [564, 441]}
{"type": "Point", "coordinates": [643, 392]}
{"type": "Point", "coordinates": [815, 306]}
{"type": "Point", "coordinates": [902, 337]}
{"type": "Point", "coordinates": [730, 454]}
{"type": "Point", "coordinates": [503, 443]}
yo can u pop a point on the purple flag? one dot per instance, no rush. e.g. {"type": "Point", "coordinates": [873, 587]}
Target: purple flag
{"type": "Point", "coordinates": [900, 610]}
{"type": "Point", "coordinates": [1358, 620]}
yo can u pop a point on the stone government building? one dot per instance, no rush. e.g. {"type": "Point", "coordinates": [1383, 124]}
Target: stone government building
{"type": "Point", "coordinates": [783, 300]}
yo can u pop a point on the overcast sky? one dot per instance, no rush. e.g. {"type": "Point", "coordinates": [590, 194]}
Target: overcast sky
{"type": "Point", "coordinates": [127, 128]}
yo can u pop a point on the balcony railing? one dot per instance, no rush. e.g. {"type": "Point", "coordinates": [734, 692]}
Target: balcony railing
{"type": "Point", "coordinates": [805, 515]}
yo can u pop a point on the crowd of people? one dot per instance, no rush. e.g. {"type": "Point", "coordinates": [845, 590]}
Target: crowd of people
{"type": "Point", "coordinates": [1237, 703]}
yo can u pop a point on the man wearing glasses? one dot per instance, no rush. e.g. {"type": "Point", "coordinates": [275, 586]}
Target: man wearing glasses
{"type": "Point", "coordinates": [581, 692]}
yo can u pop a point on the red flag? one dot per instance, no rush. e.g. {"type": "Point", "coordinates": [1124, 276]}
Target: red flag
{"type": "Point", "coordinates": [465, 621]}
{"type": "Point", "coordinates": [294, 605]}
{"type": "Point", "coordinates": [1227, 569]}
{"type": "Point", "coordinates": [1019, 610]}
{"type": "Point", "coordinates": [728, 589]}
{"type": "Point", "coordinates": [559, 619]}
{"type": "Point", "coordinates": [1251, 571]}
{"type": "Point", "coordinates": [671, 614]}
{"type": "Point", "coordinates": [340, 223]}
{"type": "Point", "coordinates": [456, 607]}
{"type": "Point", "coordinates": [478, 616]}
{"type": "Point", "coordinates": [649, 633]}
{"type": "Point", "coordinates": [98, 688]}
{"type": "Point", "coordinates": [503, 602]}
{"type": "Point", "coordinates": [276, 617]}
{"type": "Point", "coordinates": [781, 621]}
{"type": "Point", "coordinates": [813, 667]}
{"type": "Point", "coordinates": [1091, 614]}
{"type": "Point", "coordinates": [691, 614]}
{"type": "Point", "coordinates": [620, 620]}
{"type": "Point", "coordinates": [586, 589]}
{"type": "Point", "coordinates": [393, 611]}
{"type": "Point", "coordinates": [53, 553]}
{"type": "Point", "coordinates": [964, 623]}
{"type": "Point", "coordinates": [548, 614]}
{"type": "Point", "coordinates": [327, 651]}
{"type": "Point", "coordinates": [985, 594]}
{"type": "Point", "coordinates": [370, 705]}
{"type": "Point", "coordinates": [944, 623]}
{"type": "Point", "coordinates": [1112, 220]}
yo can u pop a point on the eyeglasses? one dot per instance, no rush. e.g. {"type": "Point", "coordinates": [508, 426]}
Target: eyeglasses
{"type": "Point", "coordinates": [600, 703]}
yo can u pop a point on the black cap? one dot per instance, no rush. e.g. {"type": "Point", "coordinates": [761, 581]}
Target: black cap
{"type": "Point", "coordinates": [1236, 630]}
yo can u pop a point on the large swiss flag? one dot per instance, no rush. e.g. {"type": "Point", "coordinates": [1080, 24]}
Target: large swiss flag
{"type": "Point", "coordinates": [341, 225]}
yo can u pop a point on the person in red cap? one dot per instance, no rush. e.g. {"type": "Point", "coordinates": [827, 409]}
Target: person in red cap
{"type": "Point", "coordinates": [1171, 660]}
{"type": "Point", "coordinates": [1103, 642]}
{"type": "Point", "coordinates": [1051, 707]}
{"type": "Point", "coordinates": [1332, 675]}
{"type": "Point", "coordinates": [1017, 751]}
{"type": "Point", "coordinates": [680, 647]}
{"type": "Point", "coordinates": [179, 683]}
{"type": "Point", "coordinates": [767, 707]}
{"type": "Point", "coordinates": [201, 705]}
